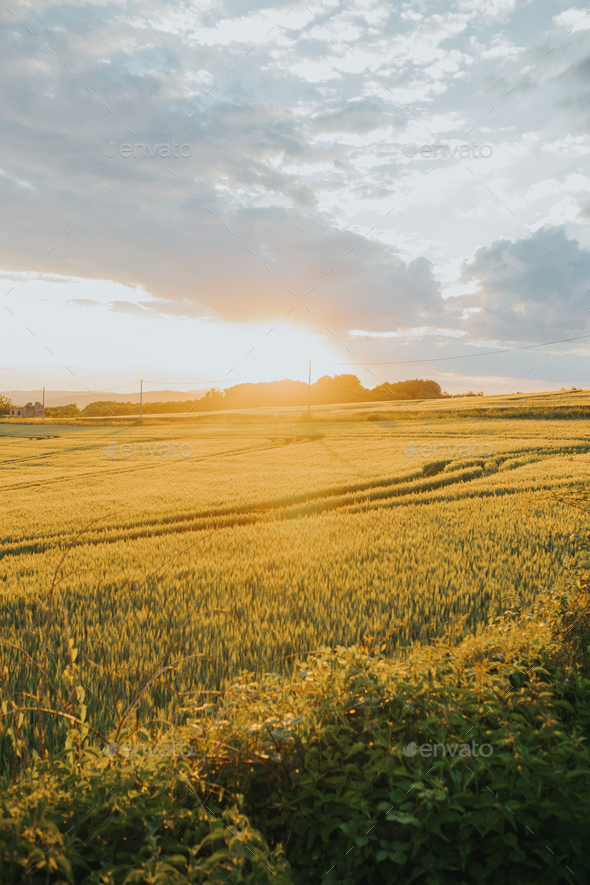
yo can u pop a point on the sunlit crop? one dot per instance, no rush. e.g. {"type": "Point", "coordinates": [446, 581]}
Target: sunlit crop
{"type": "Point", "coordinates": [264, 544]}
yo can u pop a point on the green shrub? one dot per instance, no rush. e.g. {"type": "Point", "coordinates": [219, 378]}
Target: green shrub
{"type": "Point", "coordinates": [304, 779]}
{"type": "Point", "coordinates": [94, 821]}
{"type": "Point", "coordinates": [367, 813]}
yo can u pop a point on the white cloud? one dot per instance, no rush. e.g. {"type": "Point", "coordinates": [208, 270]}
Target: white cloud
{"type": "Point", "coordinates": [573, 18]}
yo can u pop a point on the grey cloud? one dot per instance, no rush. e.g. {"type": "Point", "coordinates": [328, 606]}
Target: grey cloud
{"type": "Point", "coordinates": [174, 309]}
{"type": "Point", "coordinates": [525, 290]}
{"type": "Point", "coordinates": [141, 308]}
{"type": "Point", "coordinates": [85, 302]}
{"type": "Point", "coordinates": [358, 117]}
{"type": "Point", "coordinates": [127, 307]}
{"type": "Point", "coordinates": [149, 226]}
{"type": "Point", "coordinates": [570, 91]}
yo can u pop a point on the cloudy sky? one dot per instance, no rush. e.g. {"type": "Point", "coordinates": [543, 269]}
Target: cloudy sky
{"type": "Point", "coordinates": [212, 191]}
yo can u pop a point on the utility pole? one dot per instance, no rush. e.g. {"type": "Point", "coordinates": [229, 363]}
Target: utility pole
{"type": "Point", "coordinates": [309, 393]}
{"type": "Point", "coordinates": [141, 398]}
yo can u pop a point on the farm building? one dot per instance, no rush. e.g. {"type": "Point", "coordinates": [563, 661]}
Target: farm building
{"type": "Point", "coordinates": [28, 411]}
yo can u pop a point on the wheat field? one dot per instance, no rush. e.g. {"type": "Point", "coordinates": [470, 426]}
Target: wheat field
{"type": "Point", "coordinates": [197, 551]}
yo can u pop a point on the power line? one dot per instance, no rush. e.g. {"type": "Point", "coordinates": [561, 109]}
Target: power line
{"type": "Point", "coordinates": [465, 356]}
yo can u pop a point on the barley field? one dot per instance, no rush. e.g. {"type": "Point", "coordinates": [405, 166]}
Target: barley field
{"type": "Point", "coordinates": [180, 556]}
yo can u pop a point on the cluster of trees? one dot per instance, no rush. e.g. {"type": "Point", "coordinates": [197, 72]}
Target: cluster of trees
{"type": "Point", "coordinates": [69, 411]}
{"type": "Point", "coordinates": [269, 394]}
{"type": "Point", "coordinates": [416, 389]}
{"type": "Point", "coordinates": [339, 389]}
{"type": "Point", "coordinates": [107, 408]}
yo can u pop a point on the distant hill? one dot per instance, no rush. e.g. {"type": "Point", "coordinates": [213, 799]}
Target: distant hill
{"type": "Point", "coordinates": [83, 397]}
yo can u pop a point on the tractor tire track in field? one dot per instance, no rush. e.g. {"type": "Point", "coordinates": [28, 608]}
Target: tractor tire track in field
{"type": "Point", "coordinates": [393, 491]}
{"type": "Point", "coordinates": [274, 443]}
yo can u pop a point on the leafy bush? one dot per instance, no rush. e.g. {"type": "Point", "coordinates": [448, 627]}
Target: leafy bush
{"type": "Point", "coordinates": [69, 411]}
{"type": "Point", "coordinates": [88, 820]}
{"type": "Point", "coordinates": [366, 813]}
{"type": "Point", "coordinates": [317, 763]}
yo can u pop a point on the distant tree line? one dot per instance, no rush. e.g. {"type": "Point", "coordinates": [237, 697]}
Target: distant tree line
{"type": "Point", "coordinates": [69, 411]}
{"type": "Point", "coordinates": [266, 394]}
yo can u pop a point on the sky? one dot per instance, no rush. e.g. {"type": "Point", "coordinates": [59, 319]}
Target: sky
{"type": "Point", "coordinates": [204, 193]}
